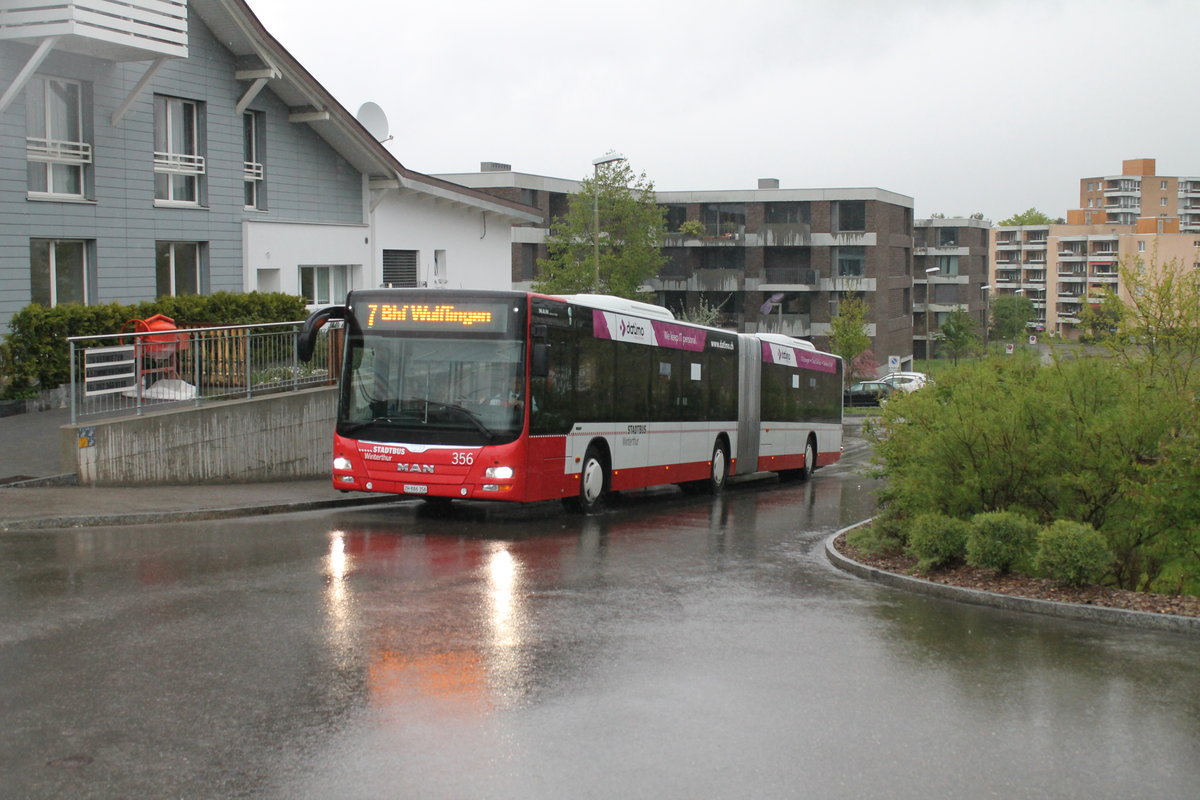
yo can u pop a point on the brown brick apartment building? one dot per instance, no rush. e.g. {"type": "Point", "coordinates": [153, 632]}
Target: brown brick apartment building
{"type": "Point", "coordinates": [770, 259]}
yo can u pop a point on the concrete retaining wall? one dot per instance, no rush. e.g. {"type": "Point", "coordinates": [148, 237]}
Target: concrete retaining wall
{"type": "Point", "coordinates": [278, 437]}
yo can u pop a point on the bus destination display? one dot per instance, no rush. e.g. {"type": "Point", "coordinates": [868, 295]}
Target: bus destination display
{"type": "Point", "coordinates": [475, 317]}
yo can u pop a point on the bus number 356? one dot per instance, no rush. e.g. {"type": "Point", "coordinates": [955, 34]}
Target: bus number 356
{"type": "Point", "coordinates": [463, 459]}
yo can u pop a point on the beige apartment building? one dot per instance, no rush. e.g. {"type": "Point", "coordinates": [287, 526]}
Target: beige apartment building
{"type": "Point", "coordinates": [1139, 194]}
{"type": "Point", "coordinates": [1123, 219]}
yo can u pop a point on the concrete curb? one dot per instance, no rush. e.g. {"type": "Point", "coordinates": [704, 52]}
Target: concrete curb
{"type": "Point", "coordinates": [1113, 616]}
{"type": "Point", "coordinates": [196, 515]}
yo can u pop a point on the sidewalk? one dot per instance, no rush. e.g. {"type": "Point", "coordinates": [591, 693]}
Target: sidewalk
{"type": "Point", "coordinates": [29, 448]}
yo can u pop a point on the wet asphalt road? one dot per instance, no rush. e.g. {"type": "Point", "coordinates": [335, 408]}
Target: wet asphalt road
{"type": "Point", "coordinates": [674, 647]}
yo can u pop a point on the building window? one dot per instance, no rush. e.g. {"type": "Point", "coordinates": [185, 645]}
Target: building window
{"type": "Point", "coordinates": [1162, 201]}
{"type": "Point", "coordinates": [948, 237]}
{"type": "Point", "coordinates": [851, 261]}
{"type": "Point", "coordinates": [176, 268]}
{"type": "Point", "coordinates": [252, 166]}
{"type": "Point", "coordinates": [527, 270]}
{"type": "Point", "coordinates": [676, 215]}
{"type": "Point", "coordinates": [178, 162]}
{"type": "Point", "coordinates": [850, 215]}
{"type": "Point", "coordinates": [59, 271]}
{"type": "Point", "coordinates": [723, 258]}
{"type": "Point", "coordinates": [323, 285]}
{"type": "Point", "coordinates": [1162, 185]}
{"type": "Point", "coordinates": [947, 265]}
{"type": "Point", "coordinates": [400, 268]}
{"type": "Point", "coordinates": [787, 213]}
{"type": "Point", "coordinates": [55, 149]}
{"type": "Point", "coordinates": [1141, 246]}
{"type": "Point", "coordinates": [724, 220]}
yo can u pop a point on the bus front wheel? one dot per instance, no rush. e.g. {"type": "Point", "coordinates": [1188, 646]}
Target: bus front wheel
{"type": "Point", "coordinates": [593, 481]}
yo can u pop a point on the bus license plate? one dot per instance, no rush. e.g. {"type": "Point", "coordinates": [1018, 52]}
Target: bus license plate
{"type": "Point", "coordinates": [415, 488]}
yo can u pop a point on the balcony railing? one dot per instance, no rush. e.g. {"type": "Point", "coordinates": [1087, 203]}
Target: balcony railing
{"type": "Point", "coordinates": [178, 163]}
{"type": "Point", "coordinates": [119, 30]}
{"type": "Point", "coordinates": [126, 374]}
{"type": "Point", "coordinates": [52, 151]}
{"type": "Point", "coordinates": [793, 276]}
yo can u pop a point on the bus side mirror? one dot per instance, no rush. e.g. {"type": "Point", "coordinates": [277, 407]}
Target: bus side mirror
{"type": "Point", "coordinates": [306, 340]}
{"type": "Point", "coordinates": [539, 364]}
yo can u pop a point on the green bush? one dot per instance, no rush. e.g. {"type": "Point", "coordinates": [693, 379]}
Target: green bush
{"type": "Point", "coordinates": [1073, 553]}
{"type": "Point", "coordinates": [937, 540]}
{"type": "Point", "coordinates": [35, 356]}
{"type": "Point", "coordinates": [1001, 540]}
{"type": "Point", "coordinates": [875, 539]}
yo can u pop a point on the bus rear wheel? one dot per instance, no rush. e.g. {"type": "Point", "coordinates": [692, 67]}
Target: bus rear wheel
{"type": "Point", "coordinates": [810, 464]}
{"type": "Point", "coordinates": [720, 469]}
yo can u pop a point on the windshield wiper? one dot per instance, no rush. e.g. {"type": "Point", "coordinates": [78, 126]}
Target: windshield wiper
{"type": "Point", "coordinates": [348, 427]}
{"type": "Point", "coordinates": [470, 415]}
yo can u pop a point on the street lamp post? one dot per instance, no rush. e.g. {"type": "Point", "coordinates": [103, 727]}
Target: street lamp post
{"type": "Point", "coordinates": [987, 313]}
{"type": "Point", "coordinates": [928, 301]}
{"type": "Point", "coordinates": [596, 162]}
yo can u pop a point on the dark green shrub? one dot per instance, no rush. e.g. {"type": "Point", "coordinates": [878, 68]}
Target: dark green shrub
{"type": "Point", "coordinates": [35, 356]}
{"type": "Point", "coordinates": [937, 541]}
{"type": "Point", "coordinates": [1073, 553]}
{"type": "Point", "coordinates": [870, 540]}
{"type": "Point", "coordinates": [1001, 540]}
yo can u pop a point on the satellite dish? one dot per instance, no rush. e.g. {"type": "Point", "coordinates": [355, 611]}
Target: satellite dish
{"type": "Point", "coordinates": [374, 120]}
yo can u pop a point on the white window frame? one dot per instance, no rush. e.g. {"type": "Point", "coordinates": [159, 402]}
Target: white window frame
{"type": "Point", "coordinates": [168, 119]}
{"type": "Point", "coordinates": [333, 279]}
{"type": "Point", "coordinates": [253, 171]}
{"type": "Point", "coordinates": [52, 150]}
{"type": "Point", "coordinates": [173, 267]}
{"type": "Point", "coordinates": [52, 265]}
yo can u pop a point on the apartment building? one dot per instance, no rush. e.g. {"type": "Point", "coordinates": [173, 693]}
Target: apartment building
{"type": "Point", "coordinates": [1123, 219]}
{"type": "Point", "coordinates": [158, 147]}
{"type": "Point", "coordinates": [770, 259]}
{"type": "Point", "coordinates": [1138, 194]}
{"type": "Point", "coordinates": [950, 273]}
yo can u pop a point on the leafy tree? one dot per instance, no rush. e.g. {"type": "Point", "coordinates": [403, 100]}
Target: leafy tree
{"type": "Point", "coordinates": [692, 228]}
{"type": "Point", "coordinates": [627, 239]}
{"type": "Point", "coordinates": [1101, 322]}
{"type": "Point", "coordinates": [848, 333]}
{"type": "Point", "coordinates": [1030, 216]}
{"type": "Point", "coordinates": [1010, 313]}
{"type": "Point", "coordinates": [702, 313]}
{"type": "Point", "coordinates": [1158, 329]}
{"type": "Point", "coordinates": [959, 333]}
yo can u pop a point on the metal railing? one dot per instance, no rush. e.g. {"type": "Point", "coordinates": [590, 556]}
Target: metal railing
{"type": "Point", "coordinates": [126, 373]}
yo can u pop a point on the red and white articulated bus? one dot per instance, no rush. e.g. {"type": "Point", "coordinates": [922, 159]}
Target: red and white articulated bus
{"type": "Point", "coordinates": [526, 397]}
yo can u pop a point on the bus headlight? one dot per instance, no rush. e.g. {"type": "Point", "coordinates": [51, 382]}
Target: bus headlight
{"type": "Point", "coordinates": [341, 462]}
{"type": "Point", "coordinates": [499, 473]}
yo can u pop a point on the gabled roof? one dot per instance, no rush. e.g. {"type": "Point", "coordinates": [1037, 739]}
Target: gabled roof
{"type": "Point", "coordinates": [265, 62]}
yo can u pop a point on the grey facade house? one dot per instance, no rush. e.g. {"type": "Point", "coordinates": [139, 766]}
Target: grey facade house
{"type": "Point", "coordinates": [156, 147]}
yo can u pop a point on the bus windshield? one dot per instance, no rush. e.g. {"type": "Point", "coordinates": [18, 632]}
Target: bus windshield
{"type": "Point", "coordinates": [453, 391]}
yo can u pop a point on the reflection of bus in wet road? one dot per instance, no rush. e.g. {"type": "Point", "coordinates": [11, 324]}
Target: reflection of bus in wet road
{"type": "Point", "coordinates": [521, 397]}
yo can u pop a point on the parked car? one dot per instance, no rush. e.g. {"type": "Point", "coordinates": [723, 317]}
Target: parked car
{"type": "Point", "coordinates": [907, 381]}
{"type": "Point", "coordinates": [867, 393]}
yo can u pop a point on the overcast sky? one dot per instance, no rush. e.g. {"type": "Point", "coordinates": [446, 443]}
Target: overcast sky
{"type": "Point", "coordinates": [974, 105]}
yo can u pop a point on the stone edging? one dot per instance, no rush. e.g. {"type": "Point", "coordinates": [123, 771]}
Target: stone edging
{"type": "Point", "coordinates": [1113, 616]}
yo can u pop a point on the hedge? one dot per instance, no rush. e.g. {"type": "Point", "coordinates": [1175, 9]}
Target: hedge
{"type": "Point", "coordinates": [35, 356]}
